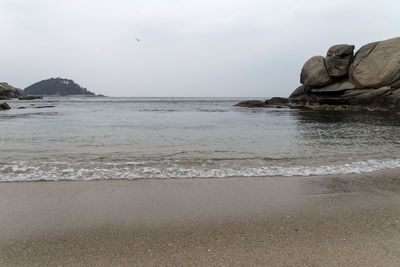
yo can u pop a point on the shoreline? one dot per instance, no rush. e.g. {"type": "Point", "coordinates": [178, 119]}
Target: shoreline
{"type": "Point", "coordinates": [390, 168]}
{"type": "Point", "coordinates": [350, 219]}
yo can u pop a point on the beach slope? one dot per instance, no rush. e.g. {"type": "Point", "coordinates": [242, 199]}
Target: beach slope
{"type": "Point", "coordinates": [348, 220]}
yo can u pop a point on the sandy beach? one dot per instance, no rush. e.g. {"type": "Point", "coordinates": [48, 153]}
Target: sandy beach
{"type": "Point", "coordinates": [340, 220]}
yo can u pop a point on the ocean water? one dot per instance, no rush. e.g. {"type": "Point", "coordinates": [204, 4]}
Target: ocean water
{"type": "Point", "coordinates": [88, 138]}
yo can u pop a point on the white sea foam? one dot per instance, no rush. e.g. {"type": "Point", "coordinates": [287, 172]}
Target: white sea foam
{"type": "Point", "coordinates": [54, 171]}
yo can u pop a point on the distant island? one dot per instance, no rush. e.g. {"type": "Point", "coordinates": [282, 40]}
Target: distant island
{"type": "Point", "coordinates": [57, 87]}
{"type": "Point", "coordinates": [49, 87]}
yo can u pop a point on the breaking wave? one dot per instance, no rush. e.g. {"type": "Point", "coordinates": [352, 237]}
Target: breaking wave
{"type": "Point", "coordinates": [56, 171]}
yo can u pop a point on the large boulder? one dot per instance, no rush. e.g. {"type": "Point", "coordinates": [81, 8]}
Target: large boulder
{"type": "Point", "coordinates": [376, 64]}
{"type": "Point", "coordinates": [338, 59]}
{"type": "Point", "coordinates": [314, 72]}
{"type": "Point", "coordinates": [363, 52]}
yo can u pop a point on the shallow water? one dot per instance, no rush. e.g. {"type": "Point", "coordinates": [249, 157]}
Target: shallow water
{"type": "Point", "coordinates": [126, 138]}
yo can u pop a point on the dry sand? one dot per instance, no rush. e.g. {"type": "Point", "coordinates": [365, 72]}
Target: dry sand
{"type": "Point", "coordinates": [339, 220]}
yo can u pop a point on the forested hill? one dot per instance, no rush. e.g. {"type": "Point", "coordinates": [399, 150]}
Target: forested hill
{"type": "Point", "coordinates": [56, 86]}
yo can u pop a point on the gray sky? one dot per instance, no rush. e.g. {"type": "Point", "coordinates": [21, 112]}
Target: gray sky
{"type": "Point", "coordinates": [187, 48]}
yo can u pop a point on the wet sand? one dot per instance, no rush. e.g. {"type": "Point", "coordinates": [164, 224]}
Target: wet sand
{"type": "Point", "coordinates": [348, 220]}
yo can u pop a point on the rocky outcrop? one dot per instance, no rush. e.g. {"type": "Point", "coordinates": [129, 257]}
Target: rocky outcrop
{"type": "Point", "coordinates": [4, 106]}
{"type": "Point", "coordinates": [368, 80]}
{"type": "Point", "coordinates": [7, 91]}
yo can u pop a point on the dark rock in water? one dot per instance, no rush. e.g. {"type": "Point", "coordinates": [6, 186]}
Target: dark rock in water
{"type": "Point", "coordinates": [29, 97]}
{"type": "Point", "coordinates": [338, 59]}
{"type": "Point", "coordinates": [58, 87]}
{"type": "Point", "coordinates": [277, 101]}
{"type": "Point", "coordinates": [314, 72]}
{"type": "Point", "coordinates": [4, 106]}
{"type": "Point", "coordinates": [251, 104]}
{"type": "Point", "coordinates": [45, 107]}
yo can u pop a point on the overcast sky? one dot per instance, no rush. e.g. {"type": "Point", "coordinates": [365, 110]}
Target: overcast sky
{"type": "Point", "coordinates": [186, 47]}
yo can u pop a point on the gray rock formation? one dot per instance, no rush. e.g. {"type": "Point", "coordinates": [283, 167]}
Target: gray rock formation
{"type": "Point", "coordinates": [338, 59]}
{"type": "Point", "coordinates": [7, 91]}
{"type": "Point", "coordinates": [369, 80]}
{"type": "Point", "coordinates": [314, 72]}
{"type": "Point", "coordinates": [377, 64]}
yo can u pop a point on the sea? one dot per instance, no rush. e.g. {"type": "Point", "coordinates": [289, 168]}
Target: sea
{"type": "Point", "coordinates": [98, 138]}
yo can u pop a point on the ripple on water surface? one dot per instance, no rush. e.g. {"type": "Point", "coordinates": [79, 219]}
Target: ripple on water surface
{"type": "Point", "coordinates": [130, 138]}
